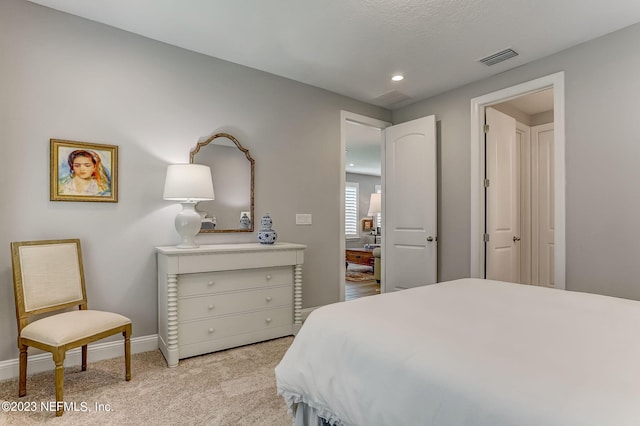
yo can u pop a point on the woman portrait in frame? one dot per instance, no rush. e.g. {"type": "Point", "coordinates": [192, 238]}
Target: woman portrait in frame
{"type": "Point", "coordinates": [83, 171]}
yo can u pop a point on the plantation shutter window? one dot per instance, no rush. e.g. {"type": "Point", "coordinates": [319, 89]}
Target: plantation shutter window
{"type": "Point", "coordinates": [351, 210]}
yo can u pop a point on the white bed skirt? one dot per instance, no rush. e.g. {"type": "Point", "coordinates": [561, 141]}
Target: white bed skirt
{"type": "Point", "coordinates": [309, 416]}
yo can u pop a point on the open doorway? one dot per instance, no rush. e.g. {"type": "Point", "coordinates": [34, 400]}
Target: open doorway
{"type": "Point", "coordinates": [519, 226]}
{"type": "Point", "coordinates": [479, 153]}
{"type": "Point", "coordinates": [361, 176]}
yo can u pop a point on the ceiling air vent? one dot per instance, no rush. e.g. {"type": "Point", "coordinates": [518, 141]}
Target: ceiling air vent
{"type": "Point", "coordinates": [499, 57]}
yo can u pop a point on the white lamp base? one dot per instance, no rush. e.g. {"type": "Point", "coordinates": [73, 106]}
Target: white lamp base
{"type": "Point", "coordinates": [188, 225]}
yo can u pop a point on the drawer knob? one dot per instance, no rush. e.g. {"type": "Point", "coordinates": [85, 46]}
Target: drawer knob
{"type": "Point", "coordinates": [211, 330]}
{"type": "Point", "coordinates": [210, 283]}
{"type": "Point", "coordinates": [268, 298]}
{"type": "Point", "coordinates": [210, 307]}
{"type": "Point", "coordinates": [268, 320]}
{"type": "Point", "coordinates": [268, 277]}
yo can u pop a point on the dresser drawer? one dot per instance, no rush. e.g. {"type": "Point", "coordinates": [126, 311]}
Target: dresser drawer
{"type": "Point", "coordinates": [190, 308]}
{"type": "Point", "coordinates": [215, 282]}
{"type": "Point", "coordinates": [219, 327]}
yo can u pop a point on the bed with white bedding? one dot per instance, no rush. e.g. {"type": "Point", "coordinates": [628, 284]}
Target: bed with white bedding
{"type": "Point", "coordinates": [467, 352]}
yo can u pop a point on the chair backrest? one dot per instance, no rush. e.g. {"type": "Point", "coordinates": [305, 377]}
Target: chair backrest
{"type": "Point", "coordinates": [47, 276]}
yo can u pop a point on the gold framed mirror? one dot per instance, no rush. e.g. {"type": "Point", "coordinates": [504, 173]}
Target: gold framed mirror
{"type": "Point", "coordinates": [232, 172]}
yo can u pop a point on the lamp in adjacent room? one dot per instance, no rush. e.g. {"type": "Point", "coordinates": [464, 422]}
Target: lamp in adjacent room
{"type": "Point", "coordinates": [375, 207]}
{"type": "Point", "coordinates": [188, 184]}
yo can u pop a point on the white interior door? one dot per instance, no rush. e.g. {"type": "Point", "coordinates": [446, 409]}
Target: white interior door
{"type": "Point", "coordinates": [543, 208]}
{"type": "Point", "coordinates": [503, 198]}
{"type": "Point", "coordinates": [410, 205]}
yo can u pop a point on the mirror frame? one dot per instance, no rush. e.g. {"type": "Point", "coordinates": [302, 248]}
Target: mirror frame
{"type": "Point", "coordinates": [251, 160]}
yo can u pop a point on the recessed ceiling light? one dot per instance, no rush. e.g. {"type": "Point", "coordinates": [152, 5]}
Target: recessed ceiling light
{"type": "Point", "coordinates": [397, 77]}
{"type": "Point", "coordinates": [351, 164]}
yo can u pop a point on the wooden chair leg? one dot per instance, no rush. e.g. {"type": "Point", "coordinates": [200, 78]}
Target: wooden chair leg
{"type": "Point", "coordinates": [58, 358]}
{"type": "Point", "coordinates": [84, 358]}
{"type": "Point", "coordinates": [22, 382]}
{"type": "Point", "coordinates": [127, 353]}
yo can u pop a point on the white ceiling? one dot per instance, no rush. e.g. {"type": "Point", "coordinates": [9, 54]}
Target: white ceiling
{"type": "Point", "coordinates": [534, 103]}
{"type": "Point", "coordinates": [353, 47]}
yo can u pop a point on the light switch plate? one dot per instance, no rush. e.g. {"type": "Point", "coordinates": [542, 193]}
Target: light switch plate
{"type": "Point", "coordinates": [303, 219]}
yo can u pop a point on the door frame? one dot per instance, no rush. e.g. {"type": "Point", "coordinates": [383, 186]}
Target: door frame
{"type": "Point", "coordinates": [478, 104]}
{"type": "Point", "coordinates": [345, 117]}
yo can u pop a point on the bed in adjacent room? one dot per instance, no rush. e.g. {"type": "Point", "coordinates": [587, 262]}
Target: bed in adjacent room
{"type": "Point", "coordinates": [467, 352]}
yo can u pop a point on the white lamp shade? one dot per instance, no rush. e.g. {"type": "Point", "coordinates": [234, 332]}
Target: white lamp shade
{"type": "Point", "coordinates": [188, 182]}
{"type": "Point", "coordinates": [375, 204]}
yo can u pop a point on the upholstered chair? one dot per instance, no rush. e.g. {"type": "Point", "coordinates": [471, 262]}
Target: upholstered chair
{"type": "Point", "coordinates": [48, 283]}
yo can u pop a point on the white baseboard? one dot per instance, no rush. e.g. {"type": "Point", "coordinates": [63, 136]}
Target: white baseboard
{"type": "Point", "coordinates": [38, 363]}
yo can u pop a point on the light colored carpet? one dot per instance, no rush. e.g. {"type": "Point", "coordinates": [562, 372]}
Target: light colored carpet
{"type": "Point", "coordinates": [232, 387]}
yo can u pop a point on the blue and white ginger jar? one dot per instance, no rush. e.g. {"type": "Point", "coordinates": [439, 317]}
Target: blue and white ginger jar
{"type": "Point", "coordinates": [245, 222]}
{"type": "Point", "coordinates": [266, 235]}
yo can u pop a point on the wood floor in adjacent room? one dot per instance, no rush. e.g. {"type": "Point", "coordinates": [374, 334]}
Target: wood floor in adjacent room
{"type": "Point", "coordinates": [364, 285]}
{"type": "Point", "coordinates": [362, 289]}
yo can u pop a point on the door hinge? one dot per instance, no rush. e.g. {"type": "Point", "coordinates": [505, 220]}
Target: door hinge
{"type": "Point", "coordinates": [486, 128]}
{"type": "Point", "coordinates": [486, 183]}
{"type": "Point", "coordinates": [485, 237]}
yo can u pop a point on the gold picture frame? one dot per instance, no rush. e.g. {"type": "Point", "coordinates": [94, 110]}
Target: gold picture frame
{"type": "Point", "coordinates": [83, 171]}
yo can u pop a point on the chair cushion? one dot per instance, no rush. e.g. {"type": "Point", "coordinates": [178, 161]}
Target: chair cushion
{"type": "Point", "coordinates": [60, 329]}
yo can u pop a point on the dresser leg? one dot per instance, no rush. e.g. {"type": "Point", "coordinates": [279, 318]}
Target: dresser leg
{"type": "Point", "coordinates": [172, 320]}
{"type": "Point", "coordinates": [297, 298]}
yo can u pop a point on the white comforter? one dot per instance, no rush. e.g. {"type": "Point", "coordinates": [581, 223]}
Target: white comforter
{"type": "Point", "coordinates": [469, 352]}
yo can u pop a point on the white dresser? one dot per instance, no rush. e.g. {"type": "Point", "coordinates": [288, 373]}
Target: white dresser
{"type": "Point", "coordinates": [220, 296]}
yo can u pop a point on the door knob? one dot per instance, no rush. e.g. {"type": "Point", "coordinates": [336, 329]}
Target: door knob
{"type": "Point", "coordinates": [429, 238]}
{"type": "Point", "coordinates": [516, 238]}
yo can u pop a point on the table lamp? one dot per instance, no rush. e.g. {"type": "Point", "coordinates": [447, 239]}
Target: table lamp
{"type": "Point", "coordinates": [188, 184]}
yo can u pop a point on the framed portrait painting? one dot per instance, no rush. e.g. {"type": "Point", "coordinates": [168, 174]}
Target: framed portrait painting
{"type": "Point", "coordinates": [82, 171]}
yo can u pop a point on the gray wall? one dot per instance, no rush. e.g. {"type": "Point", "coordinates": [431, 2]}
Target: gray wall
{"type": "Point", "coordinates": [602, 88]}
{"type": "Point", "coordinates": [69, 78]}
